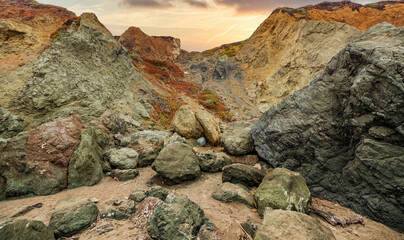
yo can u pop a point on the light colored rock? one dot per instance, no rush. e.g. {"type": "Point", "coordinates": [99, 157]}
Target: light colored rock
{"type": "Point", "coordinates": [236, 138]}
{"type": "Point", "coordinates": [185, 123]}
{"type": "Point", "coordinates": [124, 158]}
{"type": "Point", "coordinates": [210, 126]}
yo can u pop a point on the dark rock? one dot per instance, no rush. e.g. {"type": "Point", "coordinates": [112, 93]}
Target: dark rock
{"type": "Point", "coordinates": [250, 227]}
{"type": "Point", "coordinates": [124, 175]}
{"type": "Point", "coordinates": [26, 229]}
{"type": "Point", "coordinates": [210, 162]}
{"type": "Point", "coordinates": [280, 224]}
{"type": "Point", "coordinates": [117, 209]}
{"type": "Point", "coordinates": [343, 132]}
{"type": "Point", "coordinates": [236, 138]}
{"type": "Point", "coordinates": [177, 163]}
{"type": "Point", "coordinates": [72, 215]}
{"type": "Point", "coordinates": [229, 192]}
{"type": "Point", "coordinates": [178, 218]}
{"type": "Point", "coordinates": [208, 231]}
{"type": "Point", "coordinates": [242, 174]}
{"type": "Point", "coordinates": [283, 189]}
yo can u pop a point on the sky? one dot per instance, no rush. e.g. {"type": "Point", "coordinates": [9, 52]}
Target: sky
{"type": "Point", "coordinates": [200, 24]}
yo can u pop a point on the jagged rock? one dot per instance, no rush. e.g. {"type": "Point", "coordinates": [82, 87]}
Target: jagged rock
{"type": "Point", "coordinates": [85, 167]}
{"type": "Point", "coordinates": [201, 142]}
{"type": "Point", "coordinates": [124, 158]}
{"type": "Point", "coordinates": [208, 232]}
{"type": "Point", "coordinates": [84, 70]}
{"type": "Point", "coordinates": [148, 144]}
{"type": "Point", "coordinates": [177, 163]}
{"type": "Point", "coordinates": [328, 130]}
{"type": "Point", "coordinates": [175, 138]}
{"type": "Point", "coordinates": [280, 224]}
{"type": "Point", "coordinates": [283, 189]}
{"type": "Point", "coordinates": [178, 218]}
{"type": "Point", "coordinates": [229, 192]}
{"type": "Point", "coordinates": [124, 175]}
{"type": "Point", "coordinates": [242, 174]}
{"type": "Point", "coordinates": [236, 138]}
{"type": "Point", "coordinates": [185, 123]}
{"type": "Point", "coordinates": [37, 161]}
{"type": "Point", "coordinates": [72, 215]}
{"type": "Point", "coordinates": [209, 162]}
{"type": "Point", "coordinates": [26, 229]}
{"type": "Point", "coordinates": [9, 124]}
{"type": "Point", "coordinates": [210, 126]}
{"type": "Point", "coordinates": [118, 209]}
{"type": "Point", "coordinates": [119, 124]}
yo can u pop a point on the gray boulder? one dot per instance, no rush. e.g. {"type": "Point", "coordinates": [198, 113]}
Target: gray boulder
{"type": "Point", "coordinates": [229, 192]}
{"type": "Point", "coordinates": [344, 131]}
{"type": "Point", "coordinates": [280, 224]}
{"type": "Point", "coordinates": [26, 229]}
{"type": "Point", "coordinates": [177, 163]}
{"type": "Point", "coordinates": [242, 174]}
{"type": "Point", "coordinates": [179, 218]}
{"type": "Point", "coordinates": [211, 163]}
{"type": "Point", "coordinates": [72, 215]}
{"type": "Point", "coordinates": [283, 189]}
{"type": "Point", "coordinates": [236, 138]}
{"type": "Point", "coordinates": [124, 158]}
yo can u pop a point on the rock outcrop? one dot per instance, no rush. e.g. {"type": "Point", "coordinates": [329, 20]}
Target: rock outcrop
{"type": "Point", "coordinates": [344, 132]}
{"type": "Point", "coordinates": [158, 48]}
{"type": "Point", "coordinates": [280, 224]}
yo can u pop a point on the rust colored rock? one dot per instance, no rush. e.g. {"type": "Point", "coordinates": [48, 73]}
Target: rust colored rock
{"type": "Point", "coordinates": [55, 142]}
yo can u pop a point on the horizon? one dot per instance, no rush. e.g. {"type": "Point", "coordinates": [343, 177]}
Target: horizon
{"type": "Point", "coordinates": [199, 24]}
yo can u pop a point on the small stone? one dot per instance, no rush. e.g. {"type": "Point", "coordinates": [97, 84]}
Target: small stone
{"type": "Point", "coordinates": [201, 142]}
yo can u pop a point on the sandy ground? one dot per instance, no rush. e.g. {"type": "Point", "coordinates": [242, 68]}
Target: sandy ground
{"type": "Point", "coordinates": [226, 217]}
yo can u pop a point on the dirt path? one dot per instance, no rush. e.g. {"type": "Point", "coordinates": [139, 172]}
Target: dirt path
{"type": "Point", "coordinates": [226, 217]}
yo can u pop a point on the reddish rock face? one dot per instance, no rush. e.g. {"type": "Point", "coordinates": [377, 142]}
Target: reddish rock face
{"type": "Point", "coordinates": [55, 142]}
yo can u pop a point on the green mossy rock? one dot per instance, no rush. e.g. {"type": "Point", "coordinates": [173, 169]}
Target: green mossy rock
{"type": "Point", "coordinates": [26, 230]}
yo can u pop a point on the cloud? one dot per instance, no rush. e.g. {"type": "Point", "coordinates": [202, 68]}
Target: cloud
{"type": "Point", "coordinates": [160, 4]}
{"type": "Point", "coordinates": [197, 3]}
{"type": "Point", "coordinates": [146, 3]}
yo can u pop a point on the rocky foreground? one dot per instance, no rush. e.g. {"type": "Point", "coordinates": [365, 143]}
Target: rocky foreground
{"type": "Point", "coordinates": [100, 142]}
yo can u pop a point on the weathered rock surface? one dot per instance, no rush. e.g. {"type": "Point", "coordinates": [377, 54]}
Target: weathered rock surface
{"type": "Point", "coordinates": [84, 70]}
{"type": "Point", "coordinates": [145, 211]}
{"type": "Point", "coordinates": [283, 189]}
{"type": "Point", "coordinates": [159, 48]}
{"type": "Point", "coordinates": [344, 132]}
{"type": "Point", "coordinates": [26, 229]}
{"type": "Point", "coordinates": [85, 167]}
{"type": "Point", "coordinates": [177, 163]}
{"type": "Point", "coordinates": [118, 209]}
{"type": "Point", "coordinates": [280, 224]}
{"type": "Point", "coordinates": [208, 232]}
{"type": "Point", "coordinates": [139, 195]}
{"type": "Point", "coordinates": [210, 126]}
{"type": "Point", "coordinates": [37, 161]}
{"type": "Point", "coordinates": [210, 162]}
{"type": "Point", "coordinates": [229, 192]}
{"type": "Point", "coordinates": [186, 124]}
{"type": "Point", "coordinates": [10, 125]}
{"type": "Point", "coordinates": [242, 174]}
{"type": "Point", "coordinates": [72, 215]}
{"type": "Point", "coordinates": [124, 175]}
{"type": "Point", "coordinates": [236, 138]}
{"type": "Point", "coordinates": [178, 218]}
{"type": "Point", "coordinates": [124, 158]}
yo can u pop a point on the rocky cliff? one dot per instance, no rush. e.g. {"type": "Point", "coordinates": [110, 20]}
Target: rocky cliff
{"type": "Point", "coordinates": [344, 131]}
{"type": "Point", "coordinates": [157, 48]}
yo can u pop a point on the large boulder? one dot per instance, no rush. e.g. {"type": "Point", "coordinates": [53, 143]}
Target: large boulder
{"type": "Point", "coordinates": [72, 215]}
{"type": "Point", "coordinates": [283, 189]}
{"type": "Point", "coordinates": [124, 158]}
{"type": "Point", "coordinates": [177, 163]}
{"type": "Point", "coordinates": [344, 132]}
{"type": "Point", "coordinates": [280, 224]}
{"type": "Point", "coordinates": [210, 126]}
{"type": "Point", "coordinates": [229, 192]}
{"type": "Point", "coordinates": [37, 162]}
{"type": "Point", "coordinates": [179, 218]}
{"type": "Point", "coordinates": [185, 123]}
{"type": "Point", "coordinates": [26, 229]}
{"type": "Point", "coordinates": [85, 167]}
{"type": "Point", "coordinates": [242, 174]}
{"type": "Point", "coordinates": [236, 138]}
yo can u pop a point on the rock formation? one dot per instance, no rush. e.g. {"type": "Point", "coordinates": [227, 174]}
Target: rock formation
{"type": "Point", "coordinates": [158, 48]}
{"type": "Point", "coordinates": [344, 132]}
